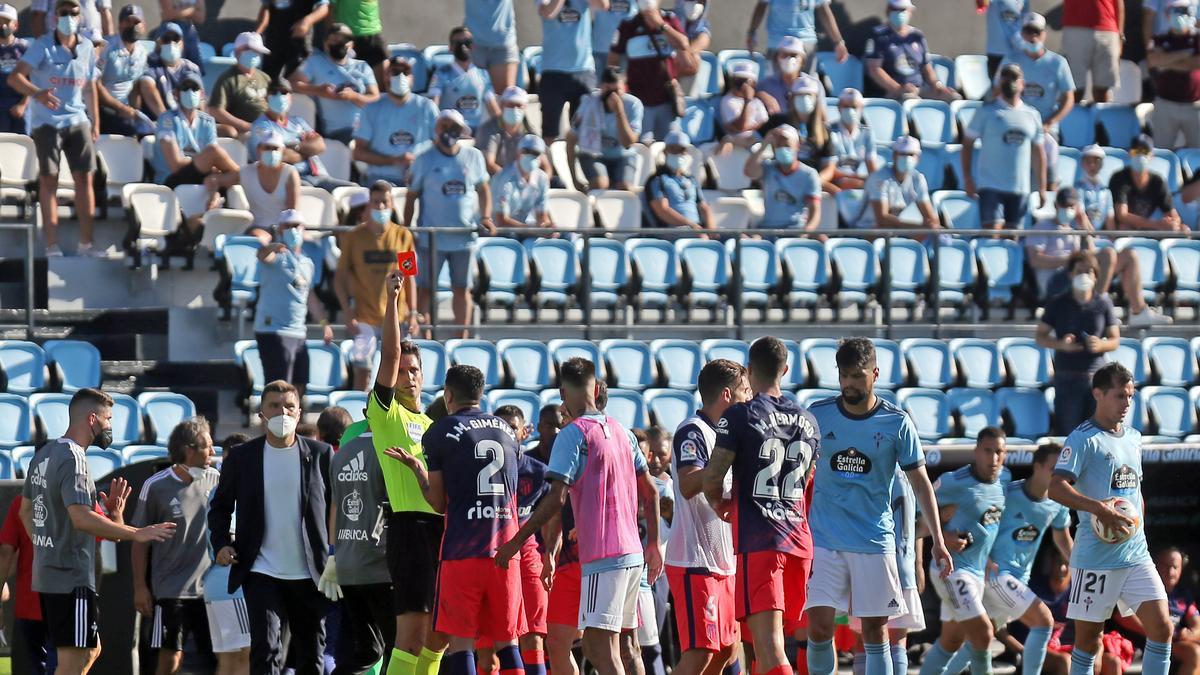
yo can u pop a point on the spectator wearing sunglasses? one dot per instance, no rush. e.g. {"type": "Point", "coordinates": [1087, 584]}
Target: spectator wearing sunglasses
{"type": "Point", "coordinates": [461, 85]}
{"type": "Point", "coordinates": [393, 130]}
{"type": "Point", "coordinates": [95, 17]}
{"type": "Point", "coordinates": [122, 64]}
{"type": "Point", "coordinates": [341, 85]}
{"type": "Point", "coordinates": [166, 69]}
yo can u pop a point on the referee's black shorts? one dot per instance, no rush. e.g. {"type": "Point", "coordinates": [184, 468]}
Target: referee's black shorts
{"type": "Point", "coordinates": [413, 542]}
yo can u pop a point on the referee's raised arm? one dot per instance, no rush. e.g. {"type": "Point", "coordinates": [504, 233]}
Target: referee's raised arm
{"type": "Point", "coordinates": [389, 356]}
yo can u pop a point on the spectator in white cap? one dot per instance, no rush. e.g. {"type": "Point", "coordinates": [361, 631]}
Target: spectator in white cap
{"type": "Point", "coordinates": [897, 58]}
{"type": "Point", "coordinates": [603, 133]}
{"type": "Point", "coordinates": [795, 19]}
{"type": "Point", "coordinates": [498, 138]}
{"type": "Point", "coordinates": [891, 189]}
{"type": "Point", "coordinates": [122, 64]}
{"type": "Point", "coordinates": [166, 69]}
{"type": "Point", "coordinates": [806, 111]}
{"type": "Point", "coordinates": [1049, 87]}
{"type": "Point", "coordinates": [1094, 196]}
{"type": "Point", "coordinates": [673, 192]}
{"type": "Point", "coordinates": [342, 85]}
{"type": "Point", "coordinates": [853, 143]}
{"type": "Point", "coordinates": [743, 110]}
{"type": "Point", "coordinates": [449, 182]}
{"type": "Point", "coordinates": [1174, 59]}
{"type": "Point", "coordinates": [271, 185]}
{"type": "Point", "coordinates": [791, 189]}
{"type": "Point", "coordinates": [395, 129]}
{"type": "Point", "coordinates": [519, 191]}
{"type": "Point", "coordinates": [789, 59]}
{"type": "Point", "coordinates": [285, 298]}
{"type": "Point", "coordinates": [12, 48]}
{"type": "Point", "coordinates": [239, 95]}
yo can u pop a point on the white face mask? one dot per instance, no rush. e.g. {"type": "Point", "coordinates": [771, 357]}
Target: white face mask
{"type": "Point", "coordinates": [399, 85]}
{"type": "Point", "coordinates": [1083, 283]}
{"type": "Point", "coordinates": [281, 426]}
{"type": "Point", "coordinates": [789, 66]}
{"type": "Point", "coordinates": [693, 10]}
{"type": "Point", "coordinates": [804, 104]}
{"type": "Point", "coordinates": [196, 472]}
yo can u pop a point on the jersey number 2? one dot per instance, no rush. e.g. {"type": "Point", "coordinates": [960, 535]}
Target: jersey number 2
{"type": "Point", "coordinates": [766, 482]}
{"type": "Point", "coordinates": [486, 482]}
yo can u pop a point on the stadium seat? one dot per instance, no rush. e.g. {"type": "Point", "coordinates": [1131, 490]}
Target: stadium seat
{"type": "Point", "coordinates": [529, 402]}
{"type": "Point", "coordinates": [354, 402]}
{"type": "Point", "coordinates": [628, 408]}
{"type": "Point", "coordinates": [220, 224]}
{"type": "Point", "coordinates": [1136, 415]}
{"type": "Point", "coordinates": [728, 169]}
{"type": "Point", "coordinates": [502, 276]}
{"type": "Point", "coordinates": [608, 270]}
{"type": "Point", "coordinates": [956, 209]}
{"type": "Point", "coordinates": [706, 271]}
{"type": "Point", "coordinates": [22, 455]}
{"type": "Point", "coordinates": [568, 209]}
{"type": "Point", "coordinates": [728, 58]}
{"type": "Point", "coordinates": [679, 362]}
{"type": "Point", "coordinates": [1027, 364]}
{"type": "Point", "coordinates": [669, 408]}
{"type": "Point", "coordinates": [929, 410]}
{"type": "Point", "coordinates": [1189, 213]}
{"type": "Point", "coordinates": [126, 420]}
{"type": "Point", "coordinates": [929, 362]}
{"type": "Point", "coordinates": [246, 357]}
{"type": "Point", "coordinates": [930, 121]}
{"type": "Point", "coordinates": [163, 411]}
{"type": "Point", "coordinates": [885, 118]}
{"type": "Point", "coordinates": [479, 353]}
{"type": "Point", "coordinates": [1172, 409]}
{"type": "Point", "coordinates": [757, 262]}
{"type": "Point", "coordinates": [75, 362]}
{"type": "Point", "coordinates": [337, 159]}
{"type": "Point", "coordinates": [907, 268]}
{"type": "Point", "coordinates": [822, 364]}
{"type": "Point", "coordinates": [123, 158]}
{"type": "Point", "coordinates": [326, 372]}
{"type": "Point", "coordinates": [155, 213]}
{"type": "Point", "coordinates": [617, 209]}
{"type": "Point", "coordinates": [807, 271]}
{"type": "Point", "coordinates": [857, 267]}
{"type": "Point", "coordinates": [979, 362]}
{"type": "Point", "coordinates": [23, 365]}
{"type": "Point", "coordinates": [1151, 260]}
{"type": "Point", "coordinates": [932, 165]}
{"type": "Point", "coordinates": [807, 397]}
{"type": "Point", "coordinates": [657, 266]}
{"type": "Point", "coordinates": [1131, 354]}
{"type": "Point", "coordinates": [1184, 258]}
{"type": "Point", "coordinates": [241, 264]}
{"type": "Point", "coordinates": [1166, 163]}
{"type": "Point", "coordinates": [559, 159]}
{"type": "Point", "coordinates": [838, 76]}
{"type": "Point", "coordinates": [132, 454]}
{"type": "Point", "coordinates": [1078, 128]}
{"type": "Point", "coordinates": [434, 363]}
{"type": "Point", "coordinates": [1118, 123]}
{"type": "Point", "coordinates": [18, 169]}
{"type": "Point", "coordinates": [737, 351]}
{"type": "Point", "coordinates": [51, 414]}
{"type": "Point", "coordinates": [1026, 412]}
{"type": "Point", "coordinates": [1189, 161]}
{"type": "Point", "coordinates": [1115, 159]}
{"type": "Point", "coordinates": [971, 75]}
{"type": "Point", "coordinates": [943, 67]}
{"type": "Point", "coordinates": [630, 364]}
{"type": "Point", "coordinates": [974, 408]}
{"type": "Point", "coordinates": [566, 348]}
{"type": "Point", "coordinates": [890, 361]}
{"type": "Point", "coordinates": [730, 213]}
{"type": "Point", "coordinates": [1067, 168]}
{"type": "Point", "coordinates": [1002, 264]}
{"type": "Point", "coordinates": [1172, 361]}
{"type": "Point", "coordinates": [851, 205]}
{"type": "Point", "coordinates": [700, 118]}
{"type": "Point", "coordinates": [963, 111]}
{"type": "Point", "coordinates": [102, 462]}
{"type": "Point", "coordinates": [796, 376]}
{"type": "Point", "coordinates": [955, 263]}
{"type": "Point", "coordinates": [528, 363]}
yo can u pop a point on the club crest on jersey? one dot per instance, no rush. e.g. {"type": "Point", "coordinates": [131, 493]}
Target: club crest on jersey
{"type": "Point", "coordinates": [353, 505]}
{"type": "Point", "coordinates": [39, 511]}
{"type": "Point", "coordinates": [1124, 479]}
{"type": "Point", "coordinates": [1026, 535]}
{"type": "Point", "coordinates": [990, 517]}
{"type": "Point", "coordinates": [850, 463]}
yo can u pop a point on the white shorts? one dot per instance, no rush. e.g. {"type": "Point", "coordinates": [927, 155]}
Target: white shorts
{"type": "Point", "coordinates": [859, 584]}
{"type": "Point", "coordinates": [229, 625]}
{"type": "Point", "coordinates": [608, 600]}
{"type": "Point", "coordinates": [647, 632]}
{"type": "Point", "coordinates": [1006, 598]}
{"type": "Point", "coordinates": [1095, 593]}
{"type": "Point", "coordinates": [912, 621]}
{"type": "Point", "coordinates": [961, 594]}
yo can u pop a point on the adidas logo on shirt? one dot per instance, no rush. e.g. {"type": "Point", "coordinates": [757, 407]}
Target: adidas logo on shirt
{"type": "Point", "coordinates": [893, 604]}
{"type": "Point", "coordinates": [354, 471]}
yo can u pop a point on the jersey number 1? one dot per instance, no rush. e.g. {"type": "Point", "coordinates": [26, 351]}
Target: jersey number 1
{"type": "Point", "coordinates": [766, 482]}
{"type": "Point", "coordinates": [486, 481]}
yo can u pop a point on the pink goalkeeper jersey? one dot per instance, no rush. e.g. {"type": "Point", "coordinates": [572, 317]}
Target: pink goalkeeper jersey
{"type": "Point", "coordinates": [604, 496]}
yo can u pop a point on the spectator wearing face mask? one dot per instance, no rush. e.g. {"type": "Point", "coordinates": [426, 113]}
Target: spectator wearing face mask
{"type": "Point", "coordinates": [791, 189]}
{"type": "Point", "coordinates": [95, 17]}
{"type": "Point", "coordinates": [603, 132]}
{"type": "Point", "coordinates": [12, 48]}
{"type": "Point", "coordinates": [568, 67]}
{"type": "Point", "coordinates": [165, 71]}
{"type": "Point", "coordinates": [696, 26]}
{"type": "Point", "coordinates": [897, 58]}
{"type": "Point", "coordinates": [853, 142]}
{"type": "Point", "coordinates": [393, 130]}
{"type": "Point", "coordinates": [498, 138]}
{"type": "Point", "coordinates": [892, 189]}
{"type": "Point", "coordinates": [185, 142]}
{"type": "Point", "coordinates": [795, 18]}
{"type": "Point", "coordinates": [1094, 196]}
{"type": "Point", "coordinates": [272, 186]}
{"type": "Point", "coordinates": [1174, 57]}
{"type": "Point", "coordinates": [789, 56]}
{"type": "Point", "coordinates": [342, 86]}
{"type": "Point", "coordinates": [649, 41]}
{"type": "Point", "coordinates": [743, 110]}
{"type": "Point", "coordinates": [302, 145]}
{"type": "Point", "coordinates": [519, 191]}
{"type": "Point", "coordinates": [1140, 196]}
{"type": "Point", "coordinates": [673, 192]}
{"type": "Point", "coordinates": [286, 26]}
{"type": "Point", "coordinates": [362, 16]}
{"type": "Point", "coordinates": [187, 14]}
{"type": "Point", "coordinates": [122, 64]}
{"type": "Point", "coordinates": [806, 115]}
{"type": "Point", "coordinates": [1005, 18]}
{"type": "Point", "coordinates": [239, 96]}
{"type": "Point", "coordinates": [460, 85]}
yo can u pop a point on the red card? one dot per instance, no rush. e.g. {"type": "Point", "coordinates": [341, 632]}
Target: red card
{"type": "Point", "coordinates": [406, 261]}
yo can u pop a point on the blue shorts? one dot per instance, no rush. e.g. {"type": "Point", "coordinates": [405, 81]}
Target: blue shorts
{"type": "Point", "coordinates": [459, 261]}
{"type": "Point", "coordinates": [996, 206]}
{"type": "Point", "coordinates": [620, 169]}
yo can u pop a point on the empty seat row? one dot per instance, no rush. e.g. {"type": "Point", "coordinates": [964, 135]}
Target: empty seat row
{"type": "Point", "coordinates": [40, 416]}
{"type": "Point", "coordinates": [14, 463]}
{"type": "Point", "coordinates": [67, 365]}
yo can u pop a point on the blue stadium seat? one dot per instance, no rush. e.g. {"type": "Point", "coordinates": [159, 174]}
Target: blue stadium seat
{"type": "Point", "coordinates": [852, 204]}
{"type": "Point", "coordinates": [164, 410]}
{"type": "Point", "coordinates": [975, 408]}
{"type": "Point", "coordinates": [838, 76]}
{"type": "Point", "coordinates": [885, 119]}
{"type": "Point", "coordinates": [807, 397]}
{"type": "Point", "coordinates": [759, 269]}
{"type": "Point", "coordinates": [858, 266]}
{"type": "Point", "coordinates": [1115, 159]}
{"type": "Point", "coordinates": [1152, 261]}
{"type": "Point", "coordinates": [1172, 361]}
{"type": "Point", "coordinates": [979, 362]}
{"type": "Point", "coordinates": [1002, 262]}
{"type": "Point", "coordinates": [23, 365]}
{"type": "Point", "coordinates": [1184, 257]}
{"type": "Point", "coordinates": [1136, 415]}
{"type": "Point", "coordinates": [76, 362]}
{"type": "Point", "coordinates": [971, 75]}
{"type": "Point", "coordinates": [1130, 353]}
{"type": "Point", "coordinates": [1078, 128]}
{"type": "Point", "coordinates": [557, 265]}
{"type": "Point", "coordinates": [820, 353]}
{"type": "Point", "coordinates": [207, 51]}
{"type": "Point", "coordinates": [528, 363]}
{"type": "Point", "coordinates": [705, 264]}
{"type": "Point", "coordinates": [955, 261]}
{"type": "Point", "coordinates": [657, 265]}
{"type": "Point", "coordinates": [1027, 364]}
{"type": "Point", "coordinates": [1189, 213]}
{"type": "Point", "coordinates": [1067, 168]}
{"type": "Point", "coordinates": [908, 269]}
{"type": "Point", "coordinates": [126, 420]}
{"type": "Point", "coordinates": [214, 67]}
{"type": "Point", "coordinates": [7, 469]}
{"type": "Point", "coordinates": [957, 210]}
{"type": "Point", "coordinates": [427, 399]}
{"type": "Point", "coordinates": [890, 361]}
{"type": "Point", "coordinates": [954, 161]}
{"type": "Point", "coordinates": [806, 264]}
{"type": "Point", "coordinates": [796, 376]}
{"type": "Point", "coordinates": [22, 455]}
{"type": "Point", "coordinates": [929, 361]}
{"type": "Point", "coordinates": [529, 68]}
{"type": "Point", "coordinates": [700, 120]}
{"type": "Point", "coordinates": [434, 363]}
{"type": "Point", "coordinates": [1172, 409]}
{"type": "Point", "coordinates": [737, 351]}
{"type": "Point", "coordinates": [931, 121]}
{"type": "Point", "coordinates": [529, 402]}
{"type": "Point", "coordinates": [503, 272]}
{"type": "Point", "coordinates": [669, 408]}
{"type": "Point", "coordinates": [102, 462]}
{"type": "Point", "coordinates": [728, 58]}
{"type": "Point", "coordinates": [680, 362]}
{"type": "Point", "coordinates": [888, 395]}
{"type": "Point", "coordinates": [562, 349]}
{"type": "Point", "coordinates": [51, 413]}
{"type": "Point", "coordinates": [1166, 163]}
{"type": "Point", "coordinates": [1119, 123]}
{"type": "Point", "coordinates": [929, 410]}
{"type": "Point", "coordinates": [132, 454]}
{"type": "Point", "coordinates": [932, 165]}
{"type": "Point", "coordinates": [326, 372]}
{"type": "Point", "coordinates": [1189, 160]}
{"type": "Point", "coordinates": [479, 353]}
{"type": "Point", "coordinates": [627, 408]}
{"type": "Point", "coordinates": [246, 357]}
{"type": "Point", "coordinates": [630, 363]}
{"type": "Point", "coordinates": [943, 66]}
{"type": "Point", "coordinates": [608, 267]}
{"type": "Point", "coordinates": [354, 402]}
{"type": "Point", "coordinates": [964, 111]}
{"type": "Point", "coordinates": [1025, 410]}
{"type": "Point", "coordinates": [241, 264]}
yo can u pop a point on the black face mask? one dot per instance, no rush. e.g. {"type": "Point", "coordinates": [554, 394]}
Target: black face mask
{"type": "Point", "coordinates": [131, 34]}
{"type": "Point", "coordinates": [1008, 88]}
{"type": "Point", "coordinates": [338, 51]}
{"type": "Point", "coordinates": [462, 51]}
{"type": "Point", "coordinates": [102, 439]}
{"type": "Point", "coordinates": [6, 32]}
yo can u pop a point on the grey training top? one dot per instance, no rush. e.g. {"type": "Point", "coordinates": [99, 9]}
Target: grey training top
{"type": "Point", "coordinates": [359, 522]}
{"type": "Point", "coordinates": [177, 565]}
{"type": "Point", "coordinates": [62, 555]}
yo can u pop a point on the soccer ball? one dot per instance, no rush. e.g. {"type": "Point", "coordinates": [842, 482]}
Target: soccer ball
{"type": "Point", "coordinates": [1111, 536]}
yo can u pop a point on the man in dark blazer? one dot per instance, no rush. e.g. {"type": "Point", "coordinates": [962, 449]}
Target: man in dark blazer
{"type": "Point", "coordinates": [279, 486]}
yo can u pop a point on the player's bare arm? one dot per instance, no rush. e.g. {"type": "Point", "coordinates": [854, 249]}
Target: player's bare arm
{"type": "Point", "coordinates": [648, 496]}
{"type": "Point", "coordinates": [550, 506]}
{"type": "Point", "coordinates": [433, 488]}
{"type": "Point", "coordinates": [1062, 490]}
{"type": "Point", "coordinates": [83, 518]}
{"type": "Point", "coordinates": [691, 481]}
{"type": "Point", "coordinates": [921, 486]}
{"type": "Point", "coordinates": [389, 354]}
{"type": "Point", "coordinates": [552, 541]}
{"type": "Point", "coordinates": [714, 480]}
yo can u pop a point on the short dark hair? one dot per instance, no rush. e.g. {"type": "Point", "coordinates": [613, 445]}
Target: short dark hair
{"type": "Point", "coordinates": [410, 347]}
{"type": "Point", "coordinates": [601, 394]}
{"type": "Point", "coordinates": [640, 436]}
{"type": "Point", "coordinates": [768, 357]}
{"type": "Point", "coordinates": [657, 433]}
{"type": "Point", "coordinates": [510, 411]}
{"type": "Point", "coordinates": [466, 382]}
{"type": "Point", "coordinates": [279, 84]}
{"type": "Point", "coordinates": [308, 431]}
{"type": "Point", "coordinates": [1046, 451]}
{"type": "Point", "coordinates": [717, 375]}
{"type": "Point", "coordinates": [332, 424]}
{"type": "Point", "coordinates": [86, 401]}
{"type": "Point", "coordinates": [186, 434]}
{"type": "Point", "coordinates": [381, 186]}
{"type": "Point", "coordinates": [990, 432]}
{"type": "Point", "coordinates": [280, 387]}
{"type": "Point", "coordinates": [401, 63]}
{"type": "Point", "coordinates": [551, 409]}
{"type": "Point", "coordinates": [1111, 375]}
{"type": "Point", "coordinates": [855, 352]}
{"type": "Point", "coordinates": [1084, 256]}
{"type": "Point", "coordinates": [576, 371]}
{"type": "Point", "coordinates": [458, 30]}
{"type": "Point", "coordinates": [436, 409]}
{"type": "Point", "coordinates": [233, 440]}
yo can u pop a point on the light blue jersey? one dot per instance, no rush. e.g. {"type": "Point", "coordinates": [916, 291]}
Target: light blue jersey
{"type": "Point", "coordinates": [788, 197]}
{"type": "Point", "coordinates": [1004, 21]}
{"type": "Point", "coordinates": [1008, 134]}
{"type": "Point", "coordinates": [393, 129]}
{"type": "Point", "coordinates": [978, 506]}
{"type": "Point", "coordinates": [294, 130]}
{"type": "Point", "coordinates": [1104, 465]}
{"type": "Point", "coordinates": [896, 194]}
{"type": "Point", "coordinates": [283, 294]}
{"type": "Point", "coordinates": [1047, 78]}
{"type": "Point", "coordinates": [121, 68]}
{"type": "Point", "coordinates": [65, 73]}
{"type": "Point", "coordinates": [791, 17]}
{"type": "Point", "coordinates": [682, 192]}
{"type": "Point", "coordinates": [190, 137]}
{"type": "Point", "coordinates": [904, 517]}
{"type": "Point", "coordinates": [1096, 198]}
{"type": "Point", "coordinates": [852, 484]}
{"type": "Point", "coordinates": [596, 127]}
{"type": "Point", "coordinates": [567, 39]}
{"type": "Point", "coordinates": [604, 25]}
{"type": "Point", "coordinates": [466, 91]}
{"type": "Point", "coordinates": [852, 149]}
{"type": "Point", "coordinates": [447, 185]}
{"type": "Point", "coordinates": [491, 22]}
{"type": "Point", "coordinates": [353, 75]}
{"type": "Point", "coordinates": [517, 197]}
{"type": "Point", "coordinates": [1022, 527]}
